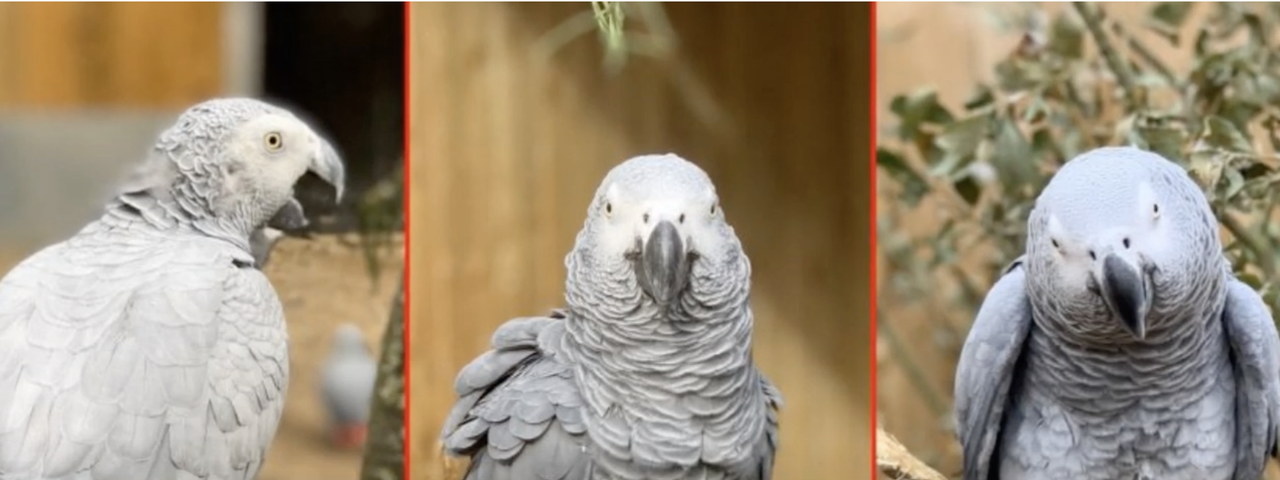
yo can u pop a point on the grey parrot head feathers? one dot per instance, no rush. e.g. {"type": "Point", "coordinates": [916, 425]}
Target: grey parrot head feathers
{"type": "Point", "coordinates": [657, 219]}
{"type": "Point", "coordinates": [235, 161]}
{"type": "Point", "coordinates": [1118, 234]}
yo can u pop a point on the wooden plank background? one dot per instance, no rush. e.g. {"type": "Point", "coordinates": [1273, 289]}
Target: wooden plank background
{"type": "Point", "coordinates": [157, 55]}
{"type": "Point", "coordinates": [507, 149]}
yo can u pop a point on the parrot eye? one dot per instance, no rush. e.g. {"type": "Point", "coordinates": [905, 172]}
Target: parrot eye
{"type": "Point", "coordinates": [1155, 210]}
{"type": "Point", "coordinates": [273, 141]}
{"type": "Point", "coordinates": [1054, 242]}
{"type": "Point", "coordinates": [713, 208]}
{"type": "Point", "coordinates": [608, 208]}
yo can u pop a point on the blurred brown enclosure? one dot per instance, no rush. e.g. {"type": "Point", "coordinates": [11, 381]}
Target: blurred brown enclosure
{"type": "Point", "coordinates": [507, 148]}
{"type": "Point", "coordinates": [159, 55]}
{"type": "Point", "coordinates": [950, 47]}
{"type": "Point", "coordinates": [156, 56]}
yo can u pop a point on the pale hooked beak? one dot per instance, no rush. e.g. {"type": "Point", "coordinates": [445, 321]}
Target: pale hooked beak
{"type": "Point", "coordinates": [1128, 292]}
{"type": "Point", "coordinates": [663, 266]}
{"type": "Point", "coordinates": [328, 166]}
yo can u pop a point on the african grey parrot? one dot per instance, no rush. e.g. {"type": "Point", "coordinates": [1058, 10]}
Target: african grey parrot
{"type": "Point", "coordinates": [648, 373]}
{"type": "Point", "coordinates": [147, 345]}
{"type": "Point", "coordinates": [347, 380]}
{"type": "Point", "coordinates": [1120, 345]}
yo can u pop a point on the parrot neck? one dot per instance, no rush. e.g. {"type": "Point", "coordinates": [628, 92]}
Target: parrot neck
{"type": "Point", "coordinates": [164, 195]}
{"type": "Point", "coordinates": [146, 210]}
{"type": "Point", "coordinates": [650, 346]}
{"type": "Point", "coordinates": [644, 369]}
{"type": "Point", "coordinates": [1183, 352]}
{"type": "Point", "coordinates": [710, 322]}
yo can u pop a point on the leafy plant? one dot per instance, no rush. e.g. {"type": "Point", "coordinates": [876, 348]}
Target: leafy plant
{"type": "Point", "coordinates": [1077, 82]}
{"type": "Point", "coordinates": [380, 212]}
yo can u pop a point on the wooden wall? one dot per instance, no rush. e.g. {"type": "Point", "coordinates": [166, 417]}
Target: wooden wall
{"type": "Point", "coordinates": [506, 151]}
{"type": "Point", "coordinates": [162, 55]}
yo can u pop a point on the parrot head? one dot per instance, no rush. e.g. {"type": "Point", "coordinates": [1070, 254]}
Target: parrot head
{"type": "Point", "coordinates": [656, 220]}
{"type": "Point", "coordinates": [1117, 234]}
{"type": "Point", "coordinates": [236, 161]}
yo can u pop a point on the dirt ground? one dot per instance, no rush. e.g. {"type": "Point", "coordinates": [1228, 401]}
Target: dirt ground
{"type": "Point", "coordinates": [322, 282]}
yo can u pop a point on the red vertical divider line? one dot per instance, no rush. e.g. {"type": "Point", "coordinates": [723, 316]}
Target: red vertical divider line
{"type": "Point", "coordinates": [872, 218]}
{"type": "Point", "coordinates": [407, 243]}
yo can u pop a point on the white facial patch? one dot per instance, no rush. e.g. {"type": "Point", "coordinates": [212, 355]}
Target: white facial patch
{"type": "Point", "coordinates": [1148, 204]}
{"type": "Point", "coordinates": [1070, 259]}
{"type": "Point", "coordinates": [1151, 229]}
{"type": "Point", "coordinates": [1055, 229]}
{"type": "Point", "coordinates": [611, 193]}
{"type": "Point", "coordinates": [614, 234]}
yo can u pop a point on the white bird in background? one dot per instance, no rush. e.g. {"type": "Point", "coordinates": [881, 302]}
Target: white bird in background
{"type": "Point", "coordinates": [346, 385]}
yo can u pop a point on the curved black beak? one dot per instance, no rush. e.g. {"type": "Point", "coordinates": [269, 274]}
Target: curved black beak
{"type": "Point", "coordinates": [663, 267]}
{"type": "Point", "coordinates": [1127, 292]}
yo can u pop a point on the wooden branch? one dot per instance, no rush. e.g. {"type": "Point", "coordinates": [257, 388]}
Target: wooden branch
{"type": "Point", "coordinates": [1093, 19]}
{"type": "Point", "coordinates": [384, 452]}
{"type": "Point", "coordinates": [894, 460]}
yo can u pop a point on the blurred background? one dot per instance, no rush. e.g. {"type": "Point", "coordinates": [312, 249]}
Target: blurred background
{"type": "Point", "coordinates": [518, 110]}
{"type": "Point", "coordinates": [86, 88]}
{"type": "Point", "coordinates": [979, 103]}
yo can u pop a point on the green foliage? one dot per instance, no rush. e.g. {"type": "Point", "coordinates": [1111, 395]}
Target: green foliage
{"type": "Point", "coordinates": [1080, 82]}
{"type": "Point", "coordinates": [380, 212]}
{"type": "Point", "coordinates": [609, 21]}
{"type": "Point", "coordinates": [609, 17]}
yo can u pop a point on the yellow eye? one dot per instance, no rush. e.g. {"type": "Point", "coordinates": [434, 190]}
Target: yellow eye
{"type": "Point", "coordinates": [273, 141]}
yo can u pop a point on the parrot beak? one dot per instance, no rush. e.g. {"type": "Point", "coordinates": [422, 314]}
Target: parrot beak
{"type": "Point", "coordinates": [328, 166]}
{"type": "Point", "coordinates": [1127, 292]}
{"type": "Point", "coordinates": [291, 220]}
{"type": "Point", "coordinates": [663, 269]}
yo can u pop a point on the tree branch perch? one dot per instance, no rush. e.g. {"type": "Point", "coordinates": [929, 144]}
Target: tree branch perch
{"type": "Point", "coordinates": [894, 460]}
{"type": "Point", "coordinates": [384, 452]}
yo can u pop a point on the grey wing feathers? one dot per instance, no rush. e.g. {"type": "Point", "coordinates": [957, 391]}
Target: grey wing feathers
{"type": "Point", "coordinates": [773, 397]}
{"type": "Point", "coordinates": [518, 414]}
{"type": "Point", "coordinates": [109, 368]}
{"type": "Point", "coordinates": [986, 369]}
{"type": "Point", "coordinates": [1255, 352]}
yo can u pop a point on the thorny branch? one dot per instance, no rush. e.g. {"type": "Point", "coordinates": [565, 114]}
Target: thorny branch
{"type": "Point", "coordinates": [1092, 18]}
